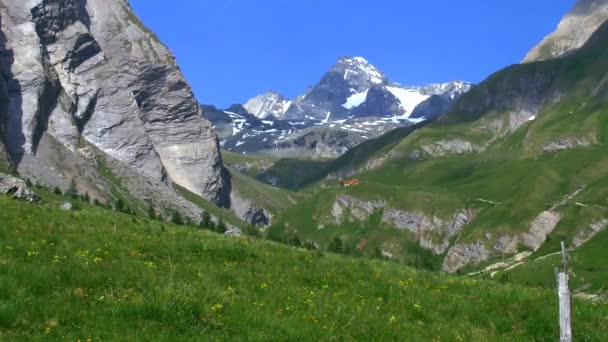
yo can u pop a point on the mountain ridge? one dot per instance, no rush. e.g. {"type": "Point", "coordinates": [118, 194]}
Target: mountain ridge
{"type": "Point", "coordinates": [575, 28]}
{"type": "Point", "coordinates": [353, 102]}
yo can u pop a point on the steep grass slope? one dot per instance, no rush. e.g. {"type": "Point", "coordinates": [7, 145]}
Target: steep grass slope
{"type": "Point", "coordinates": [93, 273]}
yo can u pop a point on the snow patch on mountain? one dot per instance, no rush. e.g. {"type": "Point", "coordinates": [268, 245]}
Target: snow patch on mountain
{"type": "Point", "coordinates": [408, 97]}
{"type": "Point", "coordinates": [355, 100]}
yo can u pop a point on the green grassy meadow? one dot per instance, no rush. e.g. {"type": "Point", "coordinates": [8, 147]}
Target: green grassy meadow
{"type": "Point", "coordinates": [102, 275]}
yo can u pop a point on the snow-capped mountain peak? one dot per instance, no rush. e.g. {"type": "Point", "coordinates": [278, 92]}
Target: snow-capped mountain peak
{"type": "Point", "coordinates": [354, 69]}
{"type": "Point", "coordinates": [352, 102]}
{"type": "Point", "coordinates": [269, 103]}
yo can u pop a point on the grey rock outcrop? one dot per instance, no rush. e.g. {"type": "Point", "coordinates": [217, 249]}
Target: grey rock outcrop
{"type": "Point", "coordinates": [589, 232]}
{"type": "Point", "coordinates": [567, 143]}
{"type": "Point", "coordinates": [464, 254]}
{"type": "Point", "coordinates": [359, 210]}
{"type": "Point", "coordinates": [473, 253]}
{"type": "Point", "coordinates": [17, 189]}
{"type": "Point", "coordinates": [506, 244]}
{"type": "Point", "coordinates": [432, 232]}
{"type": "Point", "coordinates": [573, 30]}
{"type": "Point", "coordinates": [88, 77]}
{"type": "Point", "coordinates": [248, 211]}
{"type": "Point", "coordinates": [268, 104]}
{"type": "Point", "coordinates": [540, 228]}
{"type": "Point", "coordinates": [444, 147]}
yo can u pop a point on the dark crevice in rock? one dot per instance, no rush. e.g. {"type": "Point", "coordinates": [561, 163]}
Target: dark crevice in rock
{"type": "Point", "coordinates": [11, 114]}
{"type": "Point", "coordinates": [47, 100]}
{"type": "Point", "coordinates": [53, 16]}
{"type": "Point", "coordinates": [84, 118]}
{"type": "Point", "coordinates": [86, 47]}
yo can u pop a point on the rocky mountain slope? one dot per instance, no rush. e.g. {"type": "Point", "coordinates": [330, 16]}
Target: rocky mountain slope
{"type": "Point", "coordinates": [268, 104]}
{"type": "Point", "coordinates": [88, 91]}
{"type": "Point", "coordinates": [573, 30]}
{"type": "Point", "coordinates": [518, 164]}
{"type": "Point", "coordinates": [352, 103]}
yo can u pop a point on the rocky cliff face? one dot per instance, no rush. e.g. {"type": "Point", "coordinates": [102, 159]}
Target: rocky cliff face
{"type": "Point", "coordinates": [86, 79]}
{"type": "Point", "coordinates": [431, 232]}
{"type": "Point", "coordinates": [573, 30]}
{"type": "Point", "coordinates": [268, 104]}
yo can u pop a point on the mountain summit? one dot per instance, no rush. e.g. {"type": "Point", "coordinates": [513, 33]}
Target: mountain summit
{"type": "Point", "coordinates": [353, 102]}
{"type": "Point", "coordinates": [267, 104]}
{"type": "Point", "coordinates": [353, 87]}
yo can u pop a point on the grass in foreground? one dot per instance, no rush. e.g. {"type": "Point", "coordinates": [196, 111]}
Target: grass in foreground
{"type": "Point", "coordinates": [108, 276]}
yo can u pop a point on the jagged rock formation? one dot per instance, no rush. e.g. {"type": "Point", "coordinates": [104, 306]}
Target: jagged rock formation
{"type": "Point", "coordinates": [444, 147]}
{"type": "Point", "coordinates": [573, 30]}
{"type": "Point", "coordinates": [249, 211]}
{"type": "Point", "coordinates": [431, 232]}
{"type": "Point", "coordinates": [17, 189]}
{"type": "Point", "coordinates": [463, 254]}
{"type": "Point", "coordinates": [86, 79]}
{"type": "Point", "coordinates": [567, 143]}
{"type": "Point", "coordinates": [268, 104]}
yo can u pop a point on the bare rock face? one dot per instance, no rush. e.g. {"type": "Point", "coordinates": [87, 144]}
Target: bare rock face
{"type": "Point", "coordinates": [248, 211]}
{"type": "Point", "coordinates": [17, 189]}
{"type": "Point", "coordinates": [463, 254]}
{"type": "Point", "coordinates": [455, 146]}
{"type": "Point", "coordinates": [540, 228]}
{"type": "Point", "coordinates": [359, 210]}
{"type": "Point", "coordinates": [589, 232]}
{"type": "Point", "coordinates": [88, 76]}
{"type": "Point", "coordinates": [473, 253]}
{"type": "Point", "coordinates": [431, 232]}
{"type": "Point", "coordinates": [573, 31]}
{"type": "Point", "coordinates": [269, 103]}
{"type": "Point", "coordinates": [567, 143]}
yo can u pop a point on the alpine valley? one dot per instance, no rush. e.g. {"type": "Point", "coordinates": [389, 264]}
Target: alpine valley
{"type": "Point", "coordinates": [361, 209]}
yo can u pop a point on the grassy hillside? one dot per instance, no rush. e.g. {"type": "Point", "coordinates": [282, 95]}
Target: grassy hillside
{"type": "Point", "coordinates": [275, 200]}
{"type": "Point", "coordinates": [102, 275]}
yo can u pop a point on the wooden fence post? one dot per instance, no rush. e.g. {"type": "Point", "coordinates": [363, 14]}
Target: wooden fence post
{"type": "Point", "coordinates": [563, 291]}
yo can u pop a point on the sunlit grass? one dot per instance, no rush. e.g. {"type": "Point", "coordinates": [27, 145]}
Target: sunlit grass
{"type": "Point", "coordinates": [69, 275]}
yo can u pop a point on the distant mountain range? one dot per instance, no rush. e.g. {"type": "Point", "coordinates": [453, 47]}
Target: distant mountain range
{"type": "Point", "coordinates": [353, 102]}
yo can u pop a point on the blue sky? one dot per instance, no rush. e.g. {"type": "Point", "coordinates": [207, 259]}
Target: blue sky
{"type": "Point", "coordinates": [232, 50]}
